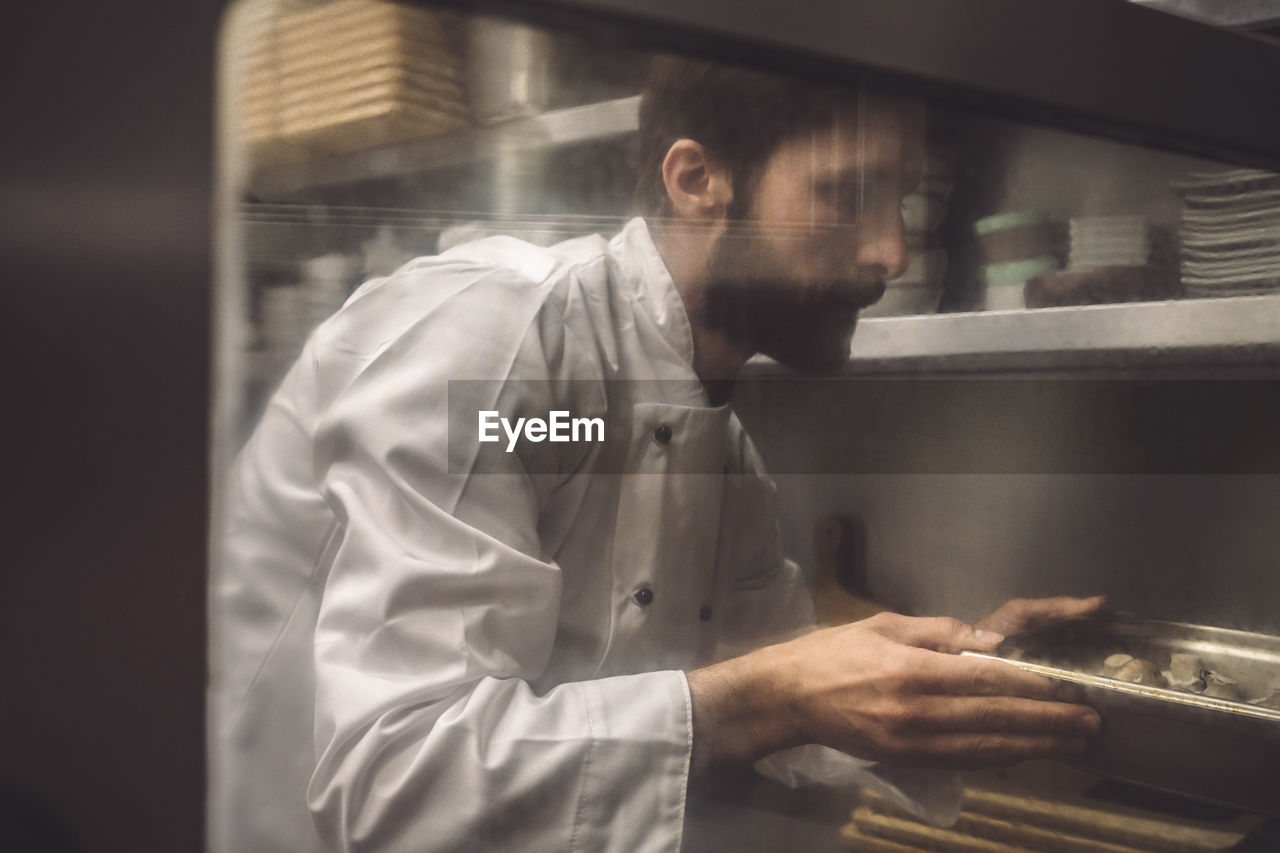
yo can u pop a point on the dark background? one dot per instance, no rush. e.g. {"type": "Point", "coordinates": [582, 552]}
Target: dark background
{"type": "Point", "coordinates": [106, 160]}
{"type": "Point", "coordinates": [106, 165]}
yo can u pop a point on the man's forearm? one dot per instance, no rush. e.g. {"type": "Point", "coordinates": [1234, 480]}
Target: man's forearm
{"type": "Point", "coordinates": [888, 688]}
{"type": "Point", "coordinates": [742, 711]}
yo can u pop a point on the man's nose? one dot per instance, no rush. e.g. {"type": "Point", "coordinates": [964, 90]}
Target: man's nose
{"type": "Point", "coordinates": [882, 245]}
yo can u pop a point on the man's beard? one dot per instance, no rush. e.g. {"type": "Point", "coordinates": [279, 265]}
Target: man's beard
{"type": "Point", "coordinates": [806, 326]}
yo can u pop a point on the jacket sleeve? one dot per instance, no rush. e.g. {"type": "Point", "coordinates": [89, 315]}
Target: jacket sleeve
{"type": "Point", "coordinates": [770, 601]}
{"type": "Point", "coordinates": [440, 609]}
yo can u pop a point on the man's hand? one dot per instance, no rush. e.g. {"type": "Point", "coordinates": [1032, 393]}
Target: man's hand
{"type": "Point", "coordinates": [1022, 614]}
{"type": "Point", "coordinates": [885, 688]}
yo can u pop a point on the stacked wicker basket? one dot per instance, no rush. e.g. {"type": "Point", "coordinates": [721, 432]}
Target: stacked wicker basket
{"type": "Point", "coordinates": [347, 75]}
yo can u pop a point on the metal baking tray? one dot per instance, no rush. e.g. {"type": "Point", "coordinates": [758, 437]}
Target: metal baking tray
{"type": "Point", "coordinates": [1213, 749]}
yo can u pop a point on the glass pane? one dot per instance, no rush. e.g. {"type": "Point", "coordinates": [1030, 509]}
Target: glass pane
{"type": "Point", "coordinates": [490, 301]}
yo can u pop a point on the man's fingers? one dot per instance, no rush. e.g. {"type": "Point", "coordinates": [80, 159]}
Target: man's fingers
{"type": "Point", "coordinates": [1043, 610]}
{"type": "Point", "coordinates": [1002, 714]}
{"type": "Point", "coordinates": [937, 633]}
{"type": "Point", "coordinates": [1021, 614]}
{"type": "Point", "coordinates": [955, 675]}
{"type": "Point", "coordinates": [966, 751]}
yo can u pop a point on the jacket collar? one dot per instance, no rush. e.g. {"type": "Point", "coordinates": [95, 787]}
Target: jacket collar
{"type": "Point", "coordinates": [644, 275]}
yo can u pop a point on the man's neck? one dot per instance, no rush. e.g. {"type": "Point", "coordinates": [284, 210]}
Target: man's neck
{"type": "Point", "coordinates": [717, 359]}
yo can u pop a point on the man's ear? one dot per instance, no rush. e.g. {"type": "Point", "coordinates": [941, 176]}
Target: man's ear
{"type": "Point", "coordinates": [697, 186]}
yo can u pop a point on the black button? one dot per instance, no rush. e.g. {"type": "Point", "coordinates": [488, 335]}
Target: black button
{"type": "Point", "coordinates": [704, 615]}
{"type": "Point", "coordinates": [643, 596]}
{"type": "Point", "coordinates": [662, 434]}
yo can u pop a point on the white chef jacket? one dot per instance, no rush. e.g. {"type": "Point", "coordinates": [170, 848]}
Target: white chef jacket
{"type": "Point", "coordinates": [412, 654]}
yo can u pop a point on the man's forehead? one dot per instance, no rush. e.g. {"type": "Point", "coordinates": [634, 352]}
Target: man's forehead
{"type": "Point", "coordinates": [884, 133]}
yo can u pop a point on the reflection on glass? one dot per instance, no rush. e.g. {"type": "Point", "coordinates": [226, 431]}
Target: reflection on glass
{"type": "Point", "coordinates": [424, 633]}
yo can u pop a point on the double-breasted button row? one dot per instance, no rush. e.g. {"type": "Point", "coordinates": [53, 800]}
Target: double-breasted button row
{"type": "Point", "coordinates": [644, 597]}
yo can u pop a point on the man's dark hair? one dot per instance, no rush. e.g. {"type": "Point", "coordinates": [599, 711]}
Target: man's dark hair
{"type": "Point", "coordinates": [740, 116]}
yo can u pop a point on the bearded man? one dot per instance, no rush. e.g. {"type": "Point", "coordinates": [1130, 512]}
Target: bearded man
{"type": "Point", "coordinates": [426, 642]}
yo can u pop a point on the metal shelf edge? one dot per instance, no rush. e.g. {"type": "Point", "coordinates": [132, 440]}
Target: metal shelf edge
{"type": "Point", "coordinates": [1236, 328]}
{"type": "Point", "coordinates": [568, 126]}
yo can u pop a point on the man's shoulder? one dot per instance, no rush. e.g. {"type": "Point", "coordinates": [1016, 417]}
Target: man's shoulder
{"type": "Point", "coordinates": [506, 260]}
{"type": "Point", "coordinates": [475, 284]}
{"type": "Point", "coordinates": [496, 274]}
{"type": "Point", "coordinates": [492, 308]}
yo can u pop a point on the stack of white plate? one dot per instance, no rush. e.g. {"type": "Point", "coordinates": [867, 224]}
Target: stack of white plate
{"type": "Point", "coordinates": [1230, 232]}
{"type": "Point", "coordinates": [350, 74]}
{"type": "Point", "coordinates": [1109, 241]}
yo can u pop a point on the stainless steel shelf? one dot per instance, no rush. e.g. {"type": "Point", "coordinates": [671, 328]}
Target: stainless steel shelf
{"type": "Point", "coordinates": [1238, 330]}
{"type": "Point", "coordinates": [1239, 13]}
{"type": "Point", "coordinates": [557, 128]}
{"type": "Point", "coordinates": [1118, 70]}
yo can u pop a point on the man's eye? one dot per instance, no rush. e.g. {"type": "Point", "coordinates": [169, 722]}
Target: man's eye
{"type": "Point", "coordinates": [844, 199]}
{"type": "Point", "coordinates": [832, 192]}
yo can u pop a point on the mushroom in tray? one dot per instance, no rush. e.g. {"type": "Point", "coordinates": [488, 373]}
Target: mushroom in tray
{"type": "Point", "coordinates": [1221, 687]}
{"type": "Point", "coordinates": [1114, 662]}
{"type": "Point", "coordinates": [1271, 700]}
{"type": "Point", "coordinates": [1186, 672]}
{"type": "Point", "coordinates": [1124, 667]}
